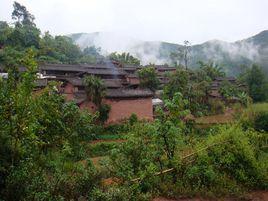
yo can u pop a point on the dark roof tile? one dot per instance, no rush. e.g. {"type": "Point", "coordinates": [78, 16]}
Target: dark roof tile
{"type": "Point", "coordinates": [128, 93]}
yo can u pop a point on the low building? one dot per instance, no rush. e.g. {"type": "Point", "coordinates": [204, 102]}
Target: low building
{"type": "Point", "coordinates": [124, 102]}
{"type": "Point", "coordinates": [123, 93]}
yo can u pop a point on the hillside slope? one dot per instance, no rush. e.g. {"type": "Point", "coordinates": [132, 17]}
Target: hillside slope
{"type": "Point", "coordinates": [230, 55]}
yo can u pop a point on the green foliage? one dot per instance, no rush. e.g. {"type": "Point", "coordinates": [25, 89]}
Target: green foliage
{"type": "Point", "coordinates": [100, 148]}
{"type": "Point", "coordinates": [58, 179]}
{"type": "Point", "coordinates": [212, 70]}
{"type": "Point", "coordinates": [228, 90]}
{"type": "Point", "coordinates": [21, 15]}
{"type": "Point", "coordinates": [124, 58]}
{"type": "Point", "coordinates": [33, 125]}
{"type": "Point", "coordinates": [95, 89]}
{"type": "Point", "coordinates": [177, 83]}
{"type": "Point", "coordinates": [148, 78]}
{"type": "Point", "coordinates": [49, 49]}
{"type": "Point", "coordinates": [261, 122]}
{"type": "Point", "coordinates": [120, 194]}
{"type": "Point", "coordinates": [227, 165]}
{"type": "Point", "coordinates": [151, 147]}
{"type": "Point", "coordinates": [104, 110]}
{"type": "Point", "coordinates": [133, 119]}
{"type": "Point", "coordinates": [192, 86]}
{"type": "Point", "coordinates": [134, 157]}
{"type": "Point", "coordinates": [257, 83]}
{"type": "Point", "coordinates": [255, 116]}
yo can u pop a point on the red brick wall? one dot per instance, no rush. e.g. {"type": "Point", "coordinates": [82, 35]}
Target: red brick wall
{"type": "Point", "coordinates": [122, 109]}
{"type": "Point", "coordinates": [88, 105]}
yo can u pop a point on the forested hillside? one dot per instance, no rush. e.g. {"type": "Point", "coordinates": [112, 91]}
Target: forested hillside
{"type": "Point", "coordinates": [23, 33]}
{"type": "Point", "coordinates": [232, 56]}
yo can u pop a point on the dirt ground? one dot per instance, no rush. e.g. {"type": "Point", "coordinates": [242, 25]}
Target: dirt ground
{"type": "Point", "coordinates": [254, 196]}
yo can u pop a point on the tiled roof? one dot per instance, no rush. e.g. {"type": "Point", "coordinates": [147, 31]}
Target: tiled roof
{"type": "Point", "coordinates": [113, 83]}
{"type": "Point", "coordinates": [128, 93]}
{"type": "Point", "coordinates": [80, 97]}
{"type": "Point", "coordinates": [109, 83]}
{"type": "Point", "coordinates": [90, 69]}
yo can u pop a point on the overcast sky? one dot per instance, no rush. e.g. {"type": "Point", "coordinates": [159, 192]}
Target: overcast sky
{"type": "Point", "coordinates": [160, 20]}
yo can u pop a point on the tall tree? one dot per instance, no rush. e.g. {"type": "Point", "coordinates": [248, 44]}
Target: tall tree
{"type": "Point", "coordinates": [257, 83]}
{"type": "Point", "coordinates": [178, 82]}
{"type": "Point", "coordinates": [148, 78]}
{"type": "Point", "coordinates": [212, 70]}
{"type": "Point", "coordinates": [95, 89]}
{"type": "Point", "coordinates": [22, 15]}
{"type": "Point", "coordinates": [186, 53]}
{"type": "Point", "coordinates": [25, 33]}
{"type": "Point", "coordinates": [124, 58]}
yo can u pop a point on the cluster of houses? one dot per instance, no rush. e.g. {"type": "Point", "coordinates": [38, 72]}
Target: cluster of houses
{"type": "Point", "coordinates": [122, 87]}
{"type": "Point", "coordinates": [123, 93]}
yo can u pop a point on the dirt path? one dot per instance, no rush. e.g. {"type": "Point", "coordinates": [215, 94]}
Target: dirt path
{"type": "Point", "coordinates": [254, 196]}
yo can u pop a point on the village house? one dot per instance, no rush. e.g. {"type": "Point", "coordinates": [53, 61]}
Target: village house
{"type": "Point", "coordinates": [214, 91]}
{"type": "Point", "coordinates": [122, 87]}
{"type": "Point", "coordinates": [122, 93]}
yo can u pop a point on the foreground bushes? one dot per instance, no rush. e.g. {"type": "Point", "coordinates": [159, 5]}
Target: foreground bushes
{"type": "Point", "coordinates": [261, 121]}
{"type": "Point", "coordinates": [256, 116]}
{"type": "Point", "coordinates": [226, 163]}
{"type": "Point", "coordinates": [56, 180]}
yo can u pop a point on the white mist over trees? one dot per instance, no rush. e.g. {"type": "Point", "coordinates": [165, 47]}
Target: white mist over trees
{"type": "Point", "coordinates": [230, 55]}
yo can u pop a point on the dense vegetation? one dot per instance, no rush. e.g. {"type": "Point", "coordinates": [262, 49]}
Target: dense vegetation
{"type": "Point", "coordinates": [52, 150]}
{"type": "Point", "coordinates": [232, 56]}
{"type": "Point", "coordinates": [23, 34]}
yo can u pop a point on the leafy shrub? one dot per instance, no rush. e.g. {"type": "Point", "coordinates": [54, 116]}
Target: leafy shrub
{"type": "Point", "coordinates": [227, 165]}
{"type": "Point", "coordinates": [261, 121]}
{"type": "Point", "coordinates": [100, 149]}
{"type": "Point", "coordinates": [133, 119]}
{"type": "Point", "coordinates": [104, 110]}
{"type": "Point", "coordinates": [124, 193]}
{"type": "Point", "coordinates": [255, 116]}
{"type": "Point", "coordinates": [55, 180]}
{"type": "Point", "coordinates": [117, 129]}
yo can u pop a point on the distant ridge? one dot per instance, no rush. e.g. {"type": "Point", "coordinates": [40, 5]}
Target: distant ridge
{"type": "Point", "coordinates": [230, 55]}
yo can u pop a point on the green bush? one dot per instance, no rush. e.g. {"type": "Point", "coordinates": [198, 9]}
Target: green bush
{"type": "Point", "coordinates": [261, 121]}
{"type": "Point", "coordinates": [228, 165]}
{"type": "Point", "coordinates": [123, 193]}
{"type": "Point", "coordinates": [104, 110]}
{"type": "Point", "coordinates": [50, 180]}
{"type": "Point", "coordinates": [255, 116]}
{"type": "Point", "coordinates": [100, 149]}
{"type": "Point", "coordinates": [117, 129]}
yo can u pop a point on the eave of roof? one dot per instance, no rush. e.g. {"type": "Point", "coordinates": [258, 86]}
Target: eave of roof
{"type": "Point", "coordinates": [128, 93]}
